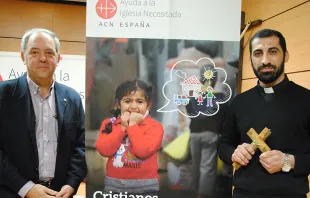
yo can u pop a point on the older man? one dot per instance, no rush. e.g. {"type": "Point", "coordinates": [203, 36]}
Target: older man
{"type": "Point", "coordinates": [42, 142]}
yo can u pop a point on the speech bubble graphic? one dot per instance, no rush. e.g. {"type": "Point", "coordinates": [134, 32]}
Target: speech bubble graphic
{"type": "Point", "coordinates": [191, 97]}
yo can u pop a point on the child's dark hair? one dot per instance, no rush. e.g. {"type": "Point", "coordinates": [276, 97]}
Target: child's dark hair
{"type": "Point", "coordinates": [125, 89]}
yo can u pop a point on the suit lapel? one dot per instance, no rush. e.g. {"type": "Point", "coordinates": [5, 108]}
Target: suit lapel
{"type": "Point", "coordinates": [61, 103]}
{"type": "Point", "coordinates": [23, 97]}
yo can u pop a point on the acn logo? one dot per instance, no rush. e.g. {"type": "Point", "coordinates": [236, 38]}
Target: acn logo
{"type": "Point", "coordinates": [106, 9]}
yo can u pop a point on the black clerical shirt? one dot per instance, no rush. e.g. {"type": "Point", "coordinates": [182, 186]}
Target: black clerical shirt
{"type": "Point", "coordinates": [287, 115]}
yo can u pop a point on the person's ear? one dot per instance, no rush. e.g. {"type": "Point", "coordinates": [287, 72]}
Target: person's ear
{"type": "Point", "coordinates": [149, 105]}
{"type": "Point", "coordinates": [287, 56]}
{"type": "Point", "coordinates": [117, 103]}
{"type": "Point", "coordinates": [58, 58]}
{"type": "Point", "coordinates": [22, 55]}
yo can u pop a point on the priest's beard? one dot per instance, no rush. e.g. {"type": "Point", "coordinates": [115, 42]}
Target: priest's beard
{"type": "Point", "coordinates": [268, 77]}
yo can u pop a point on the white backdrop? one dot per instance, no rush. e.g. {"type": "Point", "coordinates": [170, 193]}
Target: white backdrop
{"type": "Point", "coordinates": [164, 19]}
{"type": "Point", "coordinates": [70, 70]}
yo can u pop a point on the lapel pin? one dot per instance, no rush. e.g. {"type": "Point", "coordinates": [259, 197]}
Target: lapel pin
{"type": "Point", "coordinates": [65, 99]}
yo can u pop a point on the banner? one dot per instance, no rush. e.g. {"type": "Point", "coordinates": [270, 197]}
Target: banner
{"type": "Point", "coordinates": [164, 19]}
{"type": "Point", "coordinates": [70, 70]}
{"type": "Point", "coordinates": [188, 51]}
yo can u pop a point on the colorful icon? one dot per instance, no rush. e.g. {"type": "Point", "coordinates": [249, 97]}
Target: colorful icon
{"type": "Point", "coordinates": [106, 9]}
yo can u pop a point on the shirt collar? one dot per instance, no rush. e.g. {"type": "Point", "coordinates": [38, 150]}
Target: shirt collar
{"type": "Point", "coordinates": [278, 88]}
{"type": "Point", "coordinates": [35, 89]}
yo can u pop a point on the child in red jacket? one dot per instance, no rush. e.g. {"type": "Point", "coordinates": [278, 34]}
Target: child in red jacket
{"type": "Point", "coordinates": [131, 140]}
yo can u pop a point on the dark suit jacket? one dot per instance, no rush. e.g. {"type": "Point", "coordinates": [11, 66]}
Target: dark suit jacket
{"type": "Point", "coordinates": [18, 148]}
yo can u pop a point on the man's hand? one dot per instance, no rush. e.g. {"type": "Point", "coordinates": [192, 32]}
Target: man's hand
{"type": "Point", "coordinates": [65, 192]}
{"type": "Point", "coordinates": [39, 191]}
{"type": "Point", "coordinates": [125, 120]}
{"type": "Point", "coordinates": [272, 161]}
{"type": "Point", "coordinates": [135, 118]}
{"type": "Point", "coordinates": [243, 154]}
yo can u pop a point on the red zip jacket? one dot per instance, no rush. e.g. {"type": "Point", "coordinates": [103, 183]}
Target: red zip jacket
{"type": "Point", "coordinates": [134, 156]}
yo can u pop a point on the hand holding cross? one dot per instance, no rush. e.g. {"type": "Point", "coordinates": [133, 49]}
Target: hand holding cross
{"type": "Point", "coordinates": [257, 142]}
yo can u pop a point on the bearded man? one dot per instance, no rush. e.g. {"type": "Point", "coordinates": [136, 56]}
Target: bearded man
{"type": "Point", "coordinates": [279, 105]}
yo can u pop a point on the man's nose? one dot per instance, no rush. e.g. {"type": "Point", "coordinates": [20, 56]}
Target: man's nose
{"type": "Point", "coordinates": [42, 57]}
{"type": "Point", "coordinates": [265, 59]}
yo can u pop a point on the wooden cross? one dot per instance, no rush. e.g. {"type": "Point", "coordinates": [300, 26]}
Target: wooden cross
{"type": "Point", "coordinates": [258, 141]}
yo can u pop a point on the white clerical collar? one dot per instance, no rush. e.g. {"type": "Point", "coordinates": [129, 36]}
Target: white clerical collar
{"type": "Point", "coordinates": [268, 90]}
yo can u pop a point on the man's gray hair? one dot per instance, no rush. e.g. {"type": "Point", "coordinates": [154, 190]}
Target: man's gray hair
{"type": "Point", "coordinates": [28, 33]}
